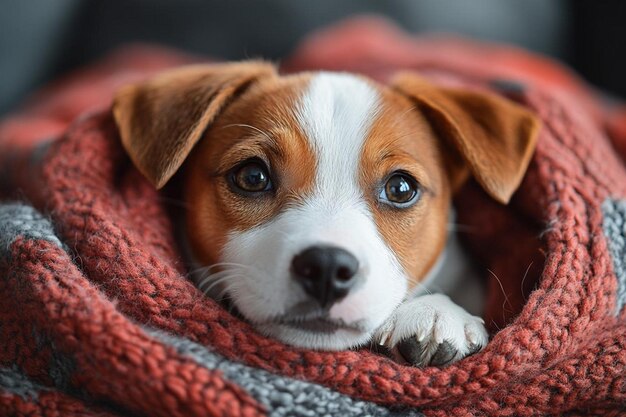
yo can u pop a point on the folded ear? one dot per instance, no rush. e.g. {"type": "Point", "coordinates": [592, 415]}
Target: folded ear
{"type": "Point", "coordinates": [160, 120]}
{"type": "Point", "coordinates": [494, 137]}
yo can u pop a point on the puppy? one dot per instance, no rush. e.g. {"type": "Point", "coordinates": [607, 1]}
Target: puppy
{"type": "Point", "coordinates": [320, 201]}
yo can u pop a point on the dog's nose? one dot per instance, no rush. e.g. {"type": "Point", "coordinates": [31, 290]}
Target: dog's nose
{"type": "Point", "coordinates": [326, 273]}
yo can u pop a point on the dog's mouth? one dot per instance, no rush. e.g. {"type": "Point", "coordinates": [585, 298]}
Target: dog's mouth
{"type": "Point", "coordinates": [316, 321]}
{"type": "Point", "coordinates": [316, 325]}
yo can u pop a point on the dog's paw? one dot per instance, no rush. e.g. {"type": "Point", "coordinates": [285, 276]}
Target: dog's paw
{"type": "Point", "coordinates": [432, 330]}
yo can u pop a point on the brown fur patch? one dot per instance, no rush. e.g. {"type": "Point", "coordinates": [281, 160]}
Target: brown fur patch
{"type": "Point", "coordinates": [402, 139]}
{"type": "Point", "coordinates": [261, 123]}
{"type": "Point", "coordinates": [162, 119]}
{"type": "Point", "coordinates": [494, 137]}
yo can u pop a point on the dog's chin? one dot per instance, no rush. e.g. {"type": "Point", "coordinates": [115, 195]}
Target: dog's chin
{"type": "Point", "coordinates": [317, 335]}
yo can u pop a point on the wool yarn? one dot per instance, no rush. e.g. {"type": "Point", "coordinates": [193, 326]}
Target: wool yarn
{"type": "Point", "coordinates": [97, 317]}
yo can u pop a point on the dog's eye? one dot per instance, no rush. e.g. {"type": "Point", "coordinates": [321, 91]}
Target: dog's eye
{"type": "Point", "coordinates": [400, 190]}
{"type": "Point", "coordinates": [252, 177]}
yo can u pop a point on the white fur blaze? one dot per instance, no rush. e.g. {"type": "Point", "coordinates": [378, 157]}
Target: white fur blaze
{"type": "Point", "coordinates": [335, 114]}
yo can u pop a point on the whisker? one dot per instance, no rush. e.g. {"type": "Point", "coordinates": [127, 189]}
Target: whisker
{"type": "Point", "coordinates": [219, 264]}
{"type": "Point", "coordinates": [523, 279]}
{"type": "Point", "coordinates": [232, 286]}
{"type": "Point", "coordinates": [214, 284]}
{"type": "Point", "coordinates": [220, 281]}
{"type": "Point", "coordinates": [419, 285]}
{"type": "Point", "coordinates": [213, 275]}
{"type": "Point", "coordinates": [495, 325]}
{"type": "Point", "coordinates": [212, 278]}
{"type": "Point", "coordinates": [407, 111]}
{"type": "Point", "coordinates": [233, 266]}
{"type": "Point", "coordinates": [223, 294]}
{"type": "Point", "coordinates": [506, 297]}
{"type": "Point", "coordinates": [414, 133]}
{"type": "Point", "coordinates": [256, 129]}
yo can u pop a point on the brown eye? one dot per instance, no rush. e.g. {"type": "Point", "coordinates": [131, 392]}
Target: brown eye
{"type": "Point", "coordinates": [252, 177]}
{"type": "Point", "coordinates": [400, 190]}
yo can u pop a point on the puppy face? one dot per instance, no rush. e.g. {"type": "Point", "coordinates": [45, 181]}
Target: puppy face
{"type": "Point", "coordinates": [318, 199]}
{"type": "Point", "coordinates": [348, 171]}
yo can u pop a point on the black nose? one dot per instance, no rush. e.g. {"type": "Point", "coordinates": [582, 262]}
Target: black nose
{"type": "Point", "coordinates": [326, 273]}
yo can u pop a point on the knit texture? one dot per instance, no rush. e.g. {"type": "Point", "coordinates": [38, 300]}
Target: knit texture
{"type": "Point", "coordinates": [615, 231]}
{"type": "Point", "coordinates": [18, 219]}
{"type": "Point", "coordinates": [283, 396]}
{"type": "Point", "coordinates": [97, 317]}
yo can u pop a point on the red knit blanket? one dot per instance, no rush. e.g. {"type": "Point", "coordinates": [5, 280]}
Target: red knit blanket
{"type": "Point", "coordinates": [97, 317]}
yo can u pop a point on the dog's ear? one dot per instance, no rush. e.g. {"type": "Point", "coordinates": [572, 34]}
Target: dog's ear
{"type": "Point", "coordinates": [160, 120]}
{"type": "Point", "coordinates": [491, 136]}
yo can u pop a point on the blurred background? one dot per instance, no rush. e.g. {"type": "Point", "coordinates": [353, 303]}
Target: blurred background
{"type": "Point", "coordinates": [41, 39]}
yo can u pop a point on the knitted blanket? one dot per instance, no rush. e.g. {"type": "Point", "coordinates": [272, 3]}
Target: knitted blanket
{"type": "Point", "coordinates": [98, 318]}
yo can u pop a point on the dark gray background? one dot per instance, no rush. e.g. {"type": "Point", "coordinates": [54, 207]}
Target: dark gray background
{"type": "Point", "coordinates": [40, 39]}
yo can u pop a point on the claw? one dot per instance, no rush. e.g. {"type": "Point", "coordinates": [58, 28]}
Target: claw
{"type": "Point", "coordinates": [474, 348]}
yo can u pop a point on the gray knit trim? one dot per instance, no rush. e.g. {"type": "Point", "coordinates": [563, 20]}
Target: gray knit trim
{"type": "Point", "coordinates": [615, 230]}
{"type": "Point", "coordinates": [17, 219]}
{"type": "Point", "coordinates": [280, 395]}
{"type": "Point", "coordinates": [13, 381]}
{"type": "Point", "coordinates": [61, 366]}
{"type": "Point", "coordinates": [61, 369]}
